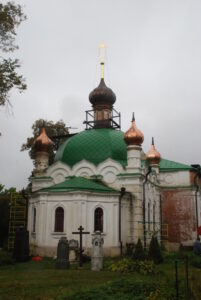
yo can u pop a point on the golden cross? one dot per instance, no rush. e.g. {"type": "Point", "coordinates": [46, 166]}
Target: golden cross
{"type": "Point", "coordinates": [102, 47]}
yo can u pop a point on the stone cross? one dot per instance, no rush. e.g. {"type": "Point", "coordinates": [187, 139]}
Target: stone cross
{"type": "Point", "coordinates": [81, 232]}
{"type": "Point", "coordinates": [62, 261]}
{"type": "Point", "coordinates": [97, 252]}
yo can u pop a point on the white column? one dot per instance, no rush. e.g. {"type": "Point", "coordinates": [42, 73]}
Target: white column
{"type": "Point", "coordinates": [41, 162]}
{"type": "Point", "coordinates": [133, 159]}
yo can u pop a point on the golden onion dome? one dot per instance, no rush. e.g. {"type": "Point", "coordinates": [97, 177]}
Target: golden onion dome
{"type": "Point", "coordinates": [153, 156]}
{"type": "Point", "coordinates": [133, 136]}
{"type": "Point", "coordinates": [42, 142]}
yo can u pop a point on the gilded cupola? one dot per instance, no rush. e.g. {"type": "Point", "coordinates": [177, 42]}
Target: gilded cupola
{"type": "Point", "coordinates": [133, 136]}
{"type": "Point", "coordinates": [42, 143]}
{"type": "Point", "coordinates": [153, 156]}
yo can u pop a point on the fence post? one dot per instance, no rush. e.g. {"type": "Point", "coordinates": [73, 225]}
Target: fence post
{"type": "Point", "coordinates": [187, 278]}
{"type": "Point", "coordinates": [176, 281]}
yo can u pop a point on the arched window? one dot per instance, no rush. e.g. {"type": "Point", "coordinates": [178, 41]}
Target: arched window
{"type": "Point", "coordinates": [98, 219]}
{"type": "Point", "coordinates": [59, 220]}
{"type": "Point", "coordinates": [34, 219]}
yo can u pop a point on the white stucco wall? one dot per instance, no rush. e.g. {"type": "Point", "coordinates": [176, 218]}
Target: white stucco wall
{"type": "Point", "coordinates": [171, 179]}
{"type": "Point", "coordinates": [78, 210]}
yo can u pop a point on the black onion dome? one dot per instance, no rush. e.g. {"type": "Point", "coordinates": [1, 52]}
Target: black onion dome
{"type": "Point", "coordinates": [102, 94]}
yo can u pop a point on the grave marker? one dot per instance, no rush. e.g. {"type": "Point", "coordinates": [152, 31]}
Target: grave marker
{"type": "Point", "coordinates": [62, 261]}
{"type": "Point", "coordinates": [81, 232]}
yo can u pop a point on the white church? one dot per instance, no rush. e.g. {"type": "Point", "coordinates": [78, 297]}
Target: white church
{"type": "Point", "coordinates": [102, 180]}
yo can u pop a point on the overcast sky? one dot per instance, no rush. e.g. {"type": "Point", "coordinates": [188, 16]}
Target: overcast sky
{"type": "Point", "coordinates": [153, 64]}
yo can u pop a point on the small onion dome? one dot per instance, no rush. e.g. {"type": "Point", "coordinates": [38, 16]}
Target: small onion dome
{"type": "Point", "coordinates": [42, 142]}
{"type": "Point", "coordinates": [102, 95]}
{"type": "Point", "coordinates": [133, 136]}
{"type": "Point", "coordinates": [153, 156]}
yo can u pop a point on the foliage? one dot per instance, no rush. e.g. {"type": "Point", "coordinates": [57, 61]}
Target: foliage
{"type": "Point", "coordinates": [53, 129]}
{"type": "Point", "coordinates": [138, 253]}
{"type": "Point", "coordinates": [155, 251]}
{"type": "Point", "coordinates": [4, 191]}
{"type": "Point", "coordinates": [33, 280]}
{"type": "Point", "coordinates": [11, 15]}
{"type": "Point", "coordinates": [6, 258]}
{"type": "Point", "coordinates": [127, 265]}
{"type": "Point", "coordinates": [196, 261]}
{"type": "Point", "coordinates": [129, 249]}
{"type": "Point", "coordinates": [4, 213]}
{"type": "Point", "coordinates": [120, 288]}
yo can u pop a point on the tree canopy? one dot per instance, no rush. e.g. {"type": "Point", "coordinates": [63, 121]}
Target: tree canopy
{"type": "Point", "coordinates": [56, 131]}
{"type": "Point", "coordinates": [11, 15]}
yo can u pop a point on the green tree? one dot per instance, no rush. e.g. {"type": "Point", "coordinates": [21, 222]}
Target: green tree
{"type": "Point", "coordinates": [138, 253]}
{"type": "Point", "coordinates": [56, 131]}
{"type": "Point", "coordinates": [4, 212]}
{"type": "Point", "coordinates": [155, 251]}
{"type": "Point", "coordinates": [11, 15]}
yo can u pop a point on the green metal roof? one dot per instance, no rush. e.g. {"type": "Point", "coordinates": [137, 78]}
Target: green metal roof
{"type": "Point", "coordinates": [79, 184]}
{"type": "Point", "coordinates": [168, 165]}
{"type": "Point", "coordinates": [171, 166]}
{"type": "Point", "coordinates": [95, 146]}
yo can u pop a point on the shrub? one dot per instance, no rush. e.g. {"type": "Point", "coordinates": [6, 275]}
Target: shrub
{"type": "Point", "coordinates": [145, 267]}
{"type": "Point", "coordinates": [6, 258]}
{"type": "Point", "coordinates": [138, 253]}
{"type": "Point", "coordinates": [124, 265]}
{"type": "Point", "coordinates": [196, 262]}
{"type": "Point", "coordinates": [127, 265]}
{"type": "Point", "coordinates": [129, 249]}
{"type": "Point", "coordinates": [155, 251]}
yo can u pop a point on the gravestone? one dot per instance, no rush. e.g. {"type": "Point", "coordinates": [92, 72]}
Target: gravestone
{"type": "Point", "coordinates": [97, 252]}
{"type": "Point", "coordinates": [62, 261]}
{"type": "Point", "coordinates": [73, 251]}
{"type": "Point", "coordinates": [21, 245]}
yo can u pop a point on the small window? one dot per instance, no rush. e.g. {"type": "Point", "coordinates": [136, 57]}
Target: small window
{"type": "Point", "coordinates": [34, 219]}
{"type": "Point", "coordinates": [98, 219]}
{"type": "Point", "coordinates": [59, 220]}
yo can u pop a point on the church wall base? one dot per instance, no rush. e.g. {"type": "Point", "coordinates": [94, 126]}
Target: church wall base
{"type": "Point", "coordinates": [52, 251]}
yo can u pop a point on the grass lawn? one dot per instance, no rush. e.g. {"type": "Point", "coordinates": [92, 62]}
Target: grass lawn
{"type": "Point", "coordinates": [40, 280]}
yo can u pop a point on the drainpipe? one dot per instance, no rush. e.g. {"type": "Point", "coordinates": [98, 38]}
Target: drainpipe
{"type": "Point", "coordinates": [144, 204]}
{"type": "Point", "coordinates": [197, 175]}
{"type": "Point", "coordinates": [161, 218]}
{"type": "Point", "coordinates": [122, 193]}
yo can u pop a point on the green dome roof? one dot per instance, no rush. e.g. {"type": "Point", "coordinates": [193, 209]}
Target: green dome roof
{"type": "Point", "coordinates": [95, 146]}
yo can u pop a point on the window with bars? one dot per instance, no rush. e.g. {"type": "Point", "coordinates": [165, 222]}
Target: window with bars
{"type": "Point", "coordinates": [59, 220]}
{"type": "Point", "coordinates": [98, 219]}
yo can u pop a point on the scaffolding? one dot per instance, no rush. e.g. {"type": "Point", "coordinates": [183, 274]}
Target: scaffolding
{"type": "Point", "coordinates": [17, 216]}
{"type": "Point", "coordinates": [154, 229]}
